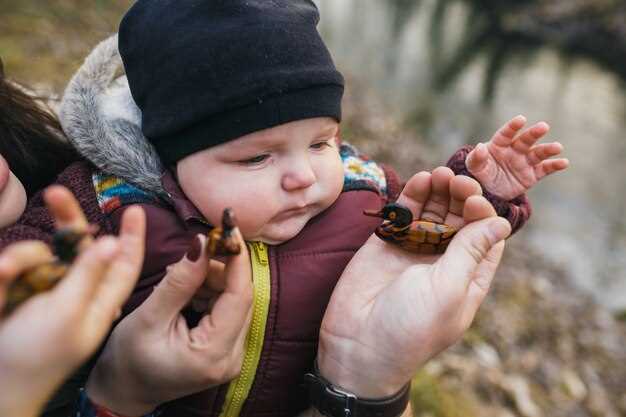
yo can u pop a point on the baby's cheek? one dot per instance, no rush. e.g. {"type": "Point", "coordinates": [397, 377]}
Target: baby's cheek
{"type": "Point", "coordinates": [334, 181]}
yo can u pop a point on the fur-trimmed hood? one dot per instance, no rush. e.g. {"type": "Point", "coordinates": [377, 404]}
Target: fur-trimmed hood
{"type": "Point", "coordinates": [102, 121]}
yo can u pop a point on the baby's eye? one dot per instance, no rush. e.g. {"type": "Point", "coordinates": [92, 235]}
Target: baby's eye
{"type": "Point", "coordinates": [320, 145]}
{"type": "Point", "coordinates": [255, 160]}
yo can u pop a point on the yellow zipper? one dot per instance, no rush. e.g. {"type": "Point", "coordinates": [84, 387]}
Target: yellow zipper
{"type": "Point", "coordinates": [239, 388]}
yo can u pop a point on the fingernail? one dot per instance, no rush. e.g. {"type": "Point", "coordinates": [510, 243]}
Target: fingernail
{"type": "Point", "coordinates": [194, 249]}
{"type": "Point", "coordinates": [500, 228]}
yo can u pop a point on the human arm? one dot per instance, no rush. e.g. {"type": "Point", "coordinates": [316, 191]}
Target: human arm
{"type": "Point", "coordinates": [71, 320]}
{"type": "Point", "coordinates": [391, 310]}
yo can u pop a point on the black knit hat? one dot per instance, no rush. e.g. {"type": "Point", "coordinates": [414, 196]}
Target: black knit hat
{"type": "Point", "coordinates": [204, 72]}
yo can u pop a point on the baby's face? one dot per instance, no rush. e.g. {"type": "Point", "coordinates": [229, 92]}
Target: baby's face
{"type": "Point", "coordinates": [275, 179]}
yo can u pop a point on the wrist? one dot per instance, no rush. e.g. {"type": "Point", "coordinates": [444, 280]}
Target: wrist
{"type": "Point", "coordinates": [331, 400]}
{"type": "Point", "coordinates": [363, 381]}
{"type": "Point", "coordinates": [88, 407]}
{"type": "Point", "coordinates": [107, 390]}
{"type": "Point", "coordinates": [25, 393]}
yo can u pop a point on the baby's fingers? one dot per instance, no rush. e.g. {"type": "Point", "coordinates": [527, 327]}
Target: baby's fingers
{"type": "Point", "coordinates": [530, 136]}
{"type": "Point", "coordinates": [550, 166]}
{"type": "Point", "coordinates": [505, 135]}
{"type": "Point", "coordinates": [544, 151]}
{"type": "Point", "coordinates": [477, 159]}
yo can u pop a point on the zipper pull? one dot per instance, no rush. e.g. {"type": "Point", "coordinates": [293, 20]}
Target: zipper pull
{"type": "Point", "coordinates": [260, 250]}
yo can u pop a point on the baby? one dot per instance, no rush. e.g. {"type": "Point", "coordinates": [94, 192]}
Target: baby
{"type": "Point", "coordinates": [240, 105]}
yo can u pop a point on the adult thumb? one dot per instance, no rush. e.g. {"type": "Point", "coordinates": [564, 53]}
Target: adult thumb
{"type": "Point", "coordinates": [471, 246]}
{"type": "Point", "coordinates": [180, 283]}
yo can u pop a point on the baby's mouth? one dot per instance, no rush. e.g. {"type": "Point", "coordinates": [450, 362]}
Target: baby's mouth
{"type": "Point", "coordinates": [292, 212]}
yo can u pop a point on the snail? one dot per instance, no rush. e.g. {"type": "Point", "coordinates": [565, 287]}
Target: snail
{"type": "Point", "coordinates": [417, 236]}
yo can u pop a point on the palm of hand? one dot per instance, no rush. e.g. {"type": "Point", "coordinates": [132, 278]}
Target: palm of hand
{"type": "Point", "coordinates": [511, 163]}
{"type": "Point", "coordinates": [393, 310]}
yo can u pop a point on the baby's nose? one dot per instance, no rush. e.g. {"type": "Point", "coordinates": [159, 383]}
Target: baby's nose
{"type": "Point", "coordinates": [298, 177]}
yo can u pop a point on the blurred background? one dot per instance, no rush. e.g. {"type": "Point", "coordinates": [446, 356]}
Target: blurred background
{"type": "Point", "coordinates": [424, 77]}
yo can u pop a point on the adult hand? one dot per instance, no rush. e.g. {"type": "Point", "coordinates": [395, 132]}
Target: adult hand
{"type": "Point", "coordinates": [511, 162]}
{"type": "Point", "coordinates": [51, 334]}
{"type": "Point", "coordinates": [153, 356]}
{"type": "Point", "coordinates": [393, 310]}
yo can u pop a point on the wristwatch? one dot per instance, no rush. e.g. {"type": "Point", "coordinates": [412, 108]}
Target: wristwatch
{"type": "Point", "coordinates": [333, 401]}
{"type": "Point", "coordinates": [86, 408]}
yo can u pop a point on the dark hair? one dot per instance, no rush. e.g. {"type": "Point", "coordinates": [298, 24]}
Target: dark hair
{"type": "Point", "coordinates": [31, 138]}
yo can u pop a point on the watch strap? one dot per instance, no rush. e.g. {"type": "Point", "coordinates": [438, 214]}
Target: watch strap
{"type": "Point", "coordinates": [333, 401]}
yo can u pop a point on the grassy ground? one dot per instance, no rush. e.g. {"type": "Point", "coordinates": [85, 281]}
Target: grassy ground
{"type": "Point", "coordinates": [43, 42]}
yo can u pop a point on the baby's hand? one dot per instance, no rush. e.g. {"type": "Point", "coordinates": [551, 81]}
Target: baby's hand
{"type": "Point", "coordinates": [511, 163]}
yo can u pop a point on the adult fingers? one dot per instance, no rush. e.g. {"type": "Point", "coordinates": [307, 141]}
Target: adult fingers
{"type": "Point", "coordinates": [550, 166]}
{"type": "Point", "coordinates": [529, 137]}
{"type": "Point", "coordinates": [461, 188]}
{"type": "Point", "coordinates": [469, 249]}
{"type": "Point", "coordinates": [214, 284]}
{"type": "Point", "coordinates": [505, 135]}
{"type": "Point", "coordinates": [125, 269]}
{"type": "Point", "coordinates": [416, 193]}
{"type": "Point", "coordinates": [66, 211]}
{"type": "Point", "coordinates": [216, 277]}
{"type": "Point", "coordinates": [231, 309]}
{"type": "Point", "coordinates": [477, 207]}
{"type": "Point", "coordinates": [437, 205]}
{"type": "Point", "coordinates": [479, 287]}
{"type": "Point", "coordinates": [80, 284]}
{"type": "Point", "coordinates": [19, 257]}
{"type": "Point", "coordinates": [180, 283]}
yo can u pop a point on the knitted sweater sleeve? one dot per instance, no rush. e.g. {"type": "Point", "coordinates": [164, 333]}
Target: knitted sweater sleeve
{"type": "Point", "coordinates": [36, 223]}
{"type": "Point", "coordinates": [517, 211]}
